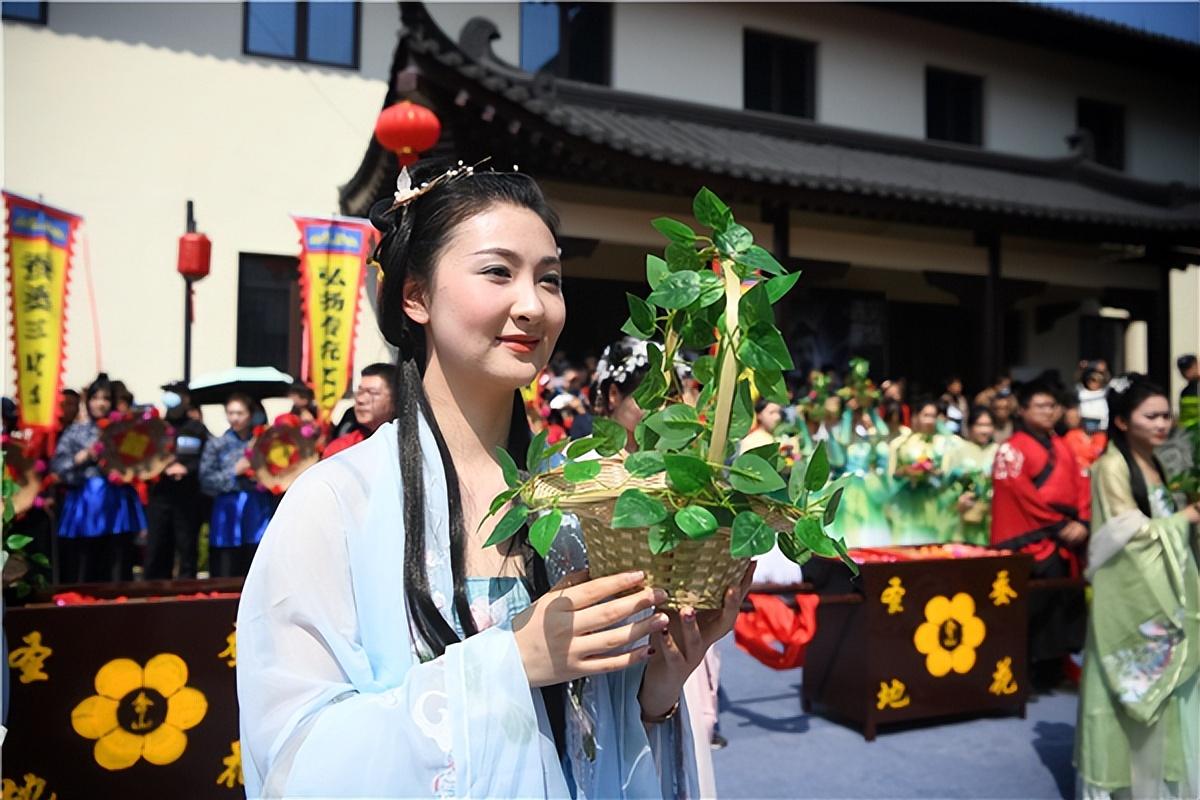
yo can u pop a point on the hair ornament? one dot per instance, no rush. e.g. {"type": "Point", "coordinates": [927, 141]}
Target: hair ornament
{"type": "Point", "coordinates": [406, 192]}
{"type": "Point", "coordinates": [1120, 384]}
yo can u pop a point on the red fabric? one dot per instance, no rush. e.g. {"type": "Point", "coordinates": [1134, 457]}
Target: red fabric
{"type": "Point", "coordinates": [1048, 547]}
{"type": "Point", "coordinates": [774, 633]}
{"type": "Point", "coordinates": [1086, 448]}
{"type": "Point", "coordinates": [342, 442]}
{"type": "Point", "coordinates": [1018, 506]}
{"type": "Point", "coordinates": [556, 433]}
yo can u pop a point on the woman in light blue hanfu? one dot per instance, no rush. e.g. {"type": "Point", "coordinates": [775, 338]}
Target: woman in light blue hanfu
{"type": "Point", "coordinates": [383, 651]}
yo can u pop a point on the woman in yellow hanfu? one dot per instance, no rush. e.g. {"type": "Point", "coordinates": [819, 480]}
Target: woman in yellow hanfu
{"type": "Point", "coordinates": [915, 512]}
{"type": "Point", "coordinates": [968, 470]}
{"type": "Point", "coordinates": [1139, 705]}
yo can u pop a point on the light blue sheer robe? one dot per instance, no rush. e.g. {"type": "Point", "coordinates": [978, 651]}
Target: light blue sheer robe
{"type": "Point", "coordinates": [335, 700]}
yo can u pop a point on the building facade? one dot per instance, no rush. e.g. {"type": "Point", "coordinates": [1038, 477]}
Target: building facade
{"type": "Point", "coordinates": [921, 164]}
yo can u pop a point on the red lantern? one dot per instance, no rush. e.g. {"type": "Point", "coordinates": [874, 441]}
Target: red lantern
{"type": "Point", "coordinates": [408, 130]}
{"type": "Point", "coordinates": [195, 254]}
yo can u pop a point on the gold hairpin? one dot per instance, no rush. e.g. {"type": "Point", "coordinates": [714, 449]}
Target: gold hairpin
{"type": "Point", "coordinates": [406, 192]}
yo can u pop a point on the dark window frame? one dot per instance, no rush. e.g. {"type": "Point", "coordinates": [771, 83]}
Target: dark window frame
{"type": "Point", "coordinates": [562, 60]}
{"type": "Point", "coordinates": [42, 18]}
{"type": "Point", "coordinates": [977, 124]}
{"type": "Point", "coordinates": [295, 331]}
{"type": "Point", "coordinates": [300, 38]}
{"type": "Point", "coordinates": [776, 41]}
{"type": "Point", "coordinates": [1120, 147]}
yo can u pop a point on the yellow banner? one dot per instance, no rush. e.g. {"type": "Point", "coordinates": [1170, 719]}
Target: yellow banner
{"type": "Point", "coordinates": [39, 263]}
{"type": "Point", "coordinates": [332, 259]}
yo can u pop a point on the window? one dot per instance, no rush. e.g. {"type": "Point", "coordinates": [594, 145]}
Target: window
{"type": "Point", "coordinates": [570, 40]}
{"type": "Point", "coordinates": [268, 313]}
{"type": "Point", "coordinates": [779, 74]}
{"type": "Point", "coordinates": [318, 32]}
{"type": "Point", "coordinates": [953, 106]}
{"type": "Point", "coordinates": [24, 12]}
{"type": "Point", "coordinates": [1106, 123]}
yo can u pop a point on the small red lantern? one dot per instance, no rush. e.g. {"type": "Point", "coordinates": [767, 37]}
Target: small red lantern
{"type": "Point", "coordinates": [408, 130]}
{"type": "Point", "coordinates": [195, 255]}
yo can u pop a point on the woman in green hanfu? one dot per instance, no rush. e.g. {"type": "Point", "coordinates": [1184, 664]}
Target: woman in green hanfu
{"type": "Point", "coordinates": [916, 512]}
{"type": "Point", "coordinates": [1139, 706]}
{"type": "Point", "coordinates": [862, 436]}
{"type": "Point", "coordinates": [968, 469]}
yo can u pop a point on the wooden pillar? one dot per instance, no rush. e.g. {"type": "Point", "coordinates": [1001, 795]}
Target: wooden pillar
{"type": "Point", "coordinates": [993, 307]}
{"type": "Point", "coordinates": [1158, 333]}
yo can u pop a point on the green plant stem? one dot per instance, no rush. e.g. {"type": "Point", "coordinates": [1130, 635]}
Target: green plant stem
{"type": "Point", "coordinates": [727, 383]}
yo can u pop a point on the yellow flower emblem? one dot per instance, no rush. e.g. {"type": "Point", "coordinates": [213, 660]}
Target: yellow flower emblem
{"type": "Point", "coordinates": [949, 635]}
{"type": "Point", "coordinates": [140, 713]}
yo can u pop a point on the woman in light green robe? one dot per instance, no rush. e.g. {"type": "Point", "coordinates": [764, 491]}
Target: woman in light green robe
{"type": "Point", "coordinates": [1139, 706]}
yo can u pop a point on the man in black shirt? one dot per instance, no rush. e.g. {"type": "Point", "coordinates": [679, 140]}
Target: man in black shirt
{"type": "Point", "coordinates": [1189, 398]}
{"type": "Point", "coordinates": [176, 509]}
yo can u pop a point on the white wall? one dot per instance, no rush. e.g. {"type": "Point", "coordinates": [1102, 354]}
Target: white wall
{"type": "Point", "coordinates": [871, 76]}
{"type": "Point", "coordinates": [1185, 321]}
{"type": "Point", "coordinates": [123, 112]}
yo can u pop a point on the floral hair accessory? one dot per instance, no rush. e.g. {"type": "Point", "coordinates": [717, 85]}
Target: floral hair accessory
{"type": "Point", "coordinates": [1120, 384]}
{"type": "Point", "coordinates": [406, 192]}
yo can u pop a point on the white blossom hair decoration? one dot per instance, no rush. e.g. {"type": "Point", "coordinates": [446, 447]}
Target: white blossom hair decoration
{"type": "Point", "coordinates": [1120, 384]}
{"type": "Point", "coordinates": [406, 192]}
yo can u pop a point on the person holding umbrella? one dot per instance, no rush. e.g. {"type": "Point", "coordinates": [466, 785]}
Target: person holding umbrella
{"type": "Point", "coordinates": [240, 510]}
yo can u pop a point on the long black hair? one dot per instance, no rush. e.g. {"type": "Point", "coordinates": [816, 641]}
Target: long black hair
{"type": "Point", "coordinates": [1124, 396]}
{"type": "Point", "coordinates": [414, 235]}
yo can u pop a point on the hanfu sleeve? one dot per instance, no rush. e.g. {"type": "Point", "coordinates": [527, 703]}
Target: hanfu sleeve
{"type": "Point", "coordinates": [63, 464]}
{"type": "Point", "coordinates": [329, 711]}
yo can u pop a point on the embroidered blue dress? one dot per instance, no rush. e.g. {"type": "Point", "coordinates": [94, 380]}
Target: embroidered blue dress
{"type": "Point", "coordinates": [241, 511]}
{"type": "Point", "coordinates": [93, 507]}
{"type": "Point", "coordinates": [337, 699]}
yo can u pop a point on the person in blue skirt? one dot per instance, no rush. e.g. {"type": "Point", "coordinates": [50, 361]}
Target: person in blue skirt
{"type": "Point", "coordinates": [241, 509]}
{"type": "Point", "coordinates": [99, 519]}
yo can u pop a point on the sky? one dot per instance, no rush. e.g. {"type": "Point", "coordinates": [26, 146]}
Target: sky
{"type": "Point", "coordinates": [1180, 20]}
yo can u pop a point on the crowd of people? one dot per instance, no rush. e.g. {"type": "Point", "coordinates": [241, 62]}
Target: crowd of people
{"type": "Point", "coordinates": [93, 527]}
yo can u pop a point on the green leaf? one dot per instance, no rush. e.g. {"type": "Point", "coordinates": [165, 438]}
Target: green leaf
{"type": "Point", "coordinates": [808, 531]}
{"type": "Point", "coordinates": [678, 290]}
{"type": "Point", "coordinates": [674, 230]}
{"type": "Point", "coordinates": [742, 418]}
{"type": "Point", "coordinates": [641, 316]}
{"type": "Point", "coordinates": [771, 386]}
{"type": "Point", "coordinates": [817, 472]}
{"type": "Point", "coordinates": [754, 308]}
{"type": "Point", "coordinates": [677, 418]}
{"type": "Point", "coordinates": [759, 258]}
{"type": "Point", "coordinates": [704, 369]}
{"type": "Point", "coordinates": [611, 436]}
{"type": "Point", "coordinates": [767, 452]}
{"type": "Point", "coordinates": [712, 288]}
{"type": "Point", "coordinates": [16, 541]}
{"type": "Point", "coordinates": [663, 538]}
{"type": "Point", "coordinates": [645, 463]}
{"type": "Point", "coordinates": [656, 270]}
{"type": "Point", "coordinates": [636, 509]}
{"type": "Point", "coordinates": [646, 439]}
{"type": "Point", "coordinates": [696, 522]}
{"type": "Point", "coordinates": [751, 474]}
{"type": "Point", "coordinates": [687, 474]}
{"type": "Point", "coordinates": [734, 240]}
{"type": "Point", "coordinates": [780, 285]}
{"type": "Point", "coordinates": [542, 532]}
{"type": "Point", "coordinates": [508, 525]}
{"type": "Point", "coordinates": [831, 507]}
{"type": "Point", "coordinates": [512, 476]}
{"type": "Point", "coordinates": [580, 446]}
{"type": "Point", "coordinates": [796, 491]}
{"type": "Point", "coordinates": [698, 333]}
{"type": "Point", "coordinates": [751, 536]}
{"type": "Point", "coordinates": [709, 210]}
{"type": "Point", "coordinates": [500, 499]}
{"type": "Point", "coordinates": [40, 559]}
{"type": "Point", "coordinates": [578, 471]}
{"type": "Point", "coordinates": [793, 550]}
{"type": "Point", "coordinates": [682, 257]}
{"type": "Point", "coordinates": [763, 348]}
{"type": "Point", "coordinates": [535, 454]}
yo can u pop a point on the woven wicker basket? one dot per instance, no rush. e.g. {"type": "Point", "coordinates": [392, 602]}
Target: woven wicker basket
{"type": "Point", "coordinates": [694, 573]}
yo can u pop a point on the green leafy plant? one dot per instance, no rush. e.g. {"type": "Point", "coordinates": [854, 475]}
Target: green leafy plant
{"type": "Point", "coordinates": [19, 567]}
{"type": "Point", "coordinates": [711, 292]}
{"type": "Point", "coordinates": [1187, 482]}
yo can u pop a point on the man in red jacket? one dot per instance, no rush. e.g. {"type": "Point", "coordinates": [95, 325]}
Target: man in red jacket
{"type": "Point", "coordinates": [372, 406]}
{"type": "Point", "coordinates": [1041, 505]}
